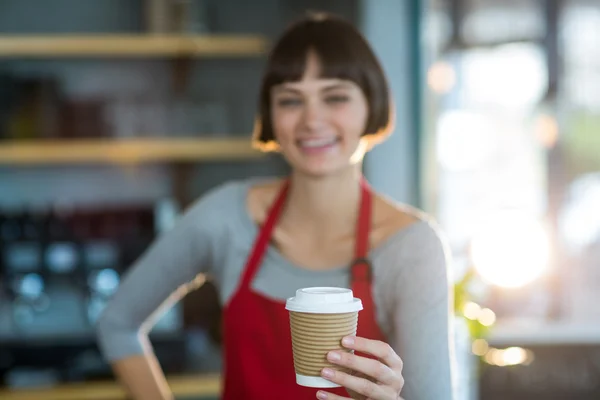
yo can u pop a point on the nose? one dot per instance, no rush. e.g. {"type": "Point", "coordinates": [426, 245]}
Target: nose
{"type": "Point", "coordinates": [314, 115]}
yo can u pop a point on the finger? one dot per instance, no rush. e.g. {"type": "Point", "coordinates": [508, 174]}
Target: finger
{"type": "Point", "coordinates": [367, 366]}
{"type": "Point", "coordinates": [377, 348]}
{"type": "Point", "coordinates": [355, 383]}
{"type": "Point", "coordinates": [330, 396]}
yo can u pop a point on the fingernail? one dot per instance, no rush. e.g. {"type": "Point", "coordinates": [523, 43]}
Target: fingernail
{"type": "Point", "coordinates": [328, 373]}
{"type": "Point", "coordinates": [334, 356]}
{"type": "Point", "coordinates": [348, 341]}
{"type": "Point", "coordinates": [321, 395]}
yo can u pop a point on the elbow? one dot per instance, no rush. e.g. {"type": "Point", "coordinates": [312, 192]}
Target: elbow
{"type": "Point", "coordinates": [106, 330]}
{"type": "Point", "coordinates": [103, 327]}
{"type": "Point", "coordinates": [117, 339]}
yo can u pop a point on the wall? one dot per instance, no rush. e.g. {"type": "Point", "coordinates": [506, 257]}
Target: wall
{"type": "Point", "coordinates": [233, 82]}
{"type": "Point", "coordinates": [392, 28]}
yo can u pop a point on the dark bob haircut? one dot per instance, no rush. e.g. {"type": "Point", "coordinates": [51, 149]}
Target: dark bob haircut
{"type": "Point", "coordinates": [343, 54]}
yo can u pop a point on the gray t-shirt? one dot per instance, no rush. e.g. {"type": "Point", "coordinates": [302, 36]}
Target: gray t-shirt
{"type": "Point", "coordinates": [411, 285]}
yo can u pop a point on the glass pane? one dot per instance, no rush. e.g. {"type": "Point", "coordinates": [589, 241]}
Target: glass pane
{"type": "Point", "coordinates": [491, 21]}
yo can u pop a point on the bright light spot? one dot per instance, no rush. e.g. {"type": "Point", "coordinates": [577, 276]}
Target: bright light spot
{"type": "Point", "coordinates": [514, 356]}
{"type": "Point", "coordinates": [489, 356]}
{"type": "Point", "coordinates": [498, 357]}
{"type": "Point", "coordinates": [580, 219]}
{"type": "Point", "coordinates": [530, 357]}
{"type": "Point", "coordinates": [441, 77]}
{"type": "Point", "coordinates": [513, 75]}
{"type": "Point", "coordinates": [487, 317]}
{"type": "Point", "coordinates": [546, 131]}
{"type": "Point", "coordinates": [108, 280]}
{"type": "Point", "coordinates": [511, 249]}
{"type": "Point", "coordinates": [471, 310]}
{"type": "Point", "coordinates": [509, 356]}
{"type": "Point", "coordinates": [465, 140]}
{"type": "Point", "coordinates": [480, 347]}
{"type": "Point", "coordinates": [31, 286]}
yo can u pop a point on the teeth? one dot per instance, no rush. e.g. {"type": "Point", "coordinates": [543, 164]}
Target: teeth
{"type": "Point", "coordinates": [317, 142]}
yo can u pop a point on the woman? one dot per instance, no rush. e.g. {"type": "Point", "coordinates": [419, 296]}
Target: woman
{"type": "Point", "coordinates": [324, 102]}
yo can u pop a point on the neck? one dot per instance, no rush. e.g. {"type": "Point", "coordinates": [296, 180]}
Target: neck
{"type": "Point", "coordinates": [324, 203]}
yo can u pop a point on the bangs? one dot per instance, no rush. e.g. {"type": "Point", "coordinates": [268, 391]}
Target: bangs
{"type": "Point", "coordinates": [338, 59]}
{"type": "Point", "coordinates": [342, 52]}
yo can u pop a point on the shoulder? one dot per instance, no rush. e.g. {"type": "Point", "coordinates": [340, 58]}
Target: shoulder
{"type": "Point", "coordinates": [217, 203]}
{"type": "Point", "coordinates": [390, 217]}
{"type": "Point", "coordinates": [243, 198]}
{"type": "Point", "coordinates": [415, 260]}
{"type": "Point", "coordinates": [407, 232]}
{"type": "Point", "coordinates": [260, 196]}
{"type": "Point", "coordinates": [221, 195]}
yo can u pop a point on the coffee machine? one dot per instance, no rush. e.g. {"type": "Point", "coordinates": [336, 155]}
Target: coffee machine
{"type": "Point", "coordinates": [59, 266]}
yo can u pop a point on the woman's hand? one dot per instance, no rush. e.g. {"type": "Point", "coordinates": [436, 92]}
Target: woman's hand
{"type": "Point", "coordinates": [379, 379]}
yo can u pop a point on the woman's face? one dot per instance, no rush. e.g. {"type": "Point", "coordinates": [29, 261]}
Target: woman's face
{"type": "Point", "coordinates": [318, 122]}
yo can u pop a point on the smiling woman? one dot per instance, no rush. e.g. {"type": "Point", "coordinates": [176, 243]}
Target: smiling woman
{"type": "Point", "coordinates": [318, 122]}
{"type": "Point", "coordinates": [324, 102]}
{"type": "Point", "coordinates": [329, 50]}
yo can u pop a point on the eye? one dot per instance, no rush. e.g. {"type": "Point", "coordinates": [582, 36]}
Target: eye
{"type": "Point", "coordinates": [336, 99]}
{"type": "Point", "coordinates": [288, 102]}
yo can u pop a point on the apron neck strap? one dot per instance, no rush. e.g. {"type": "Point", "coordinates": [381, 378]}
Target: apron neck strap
{"type": "Point", "coordinates": [264, 235]}
{"type": "Point", "coordinates": [360, 266]}
{"type": "Point", "coordinates": [360, 269]}
{"type": "Point", "coordinates": [363, 226]}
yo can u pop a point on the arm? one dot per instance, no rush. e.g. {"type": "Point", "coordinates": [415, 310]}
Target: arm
{"type": "Point", "coordinates": [142, 377]}
{"type": "Point", "coordinates": [416, 361]}
{"type": "Point", "coordinates": [421, 309]}
{"type": "Point", "coordinates": [161, 277]}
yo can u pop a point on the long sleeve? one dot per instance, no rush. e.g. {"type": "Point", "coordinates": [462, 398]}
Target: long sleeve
{"type": "Point", "coordinates": [162, 276]}
{"type": "Point", "coordinates": [419, 299]}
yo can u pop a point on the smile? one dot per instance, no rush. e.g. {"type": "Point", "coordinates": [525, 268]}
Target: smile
{"type": "Point", "coordinates": [318, 143]}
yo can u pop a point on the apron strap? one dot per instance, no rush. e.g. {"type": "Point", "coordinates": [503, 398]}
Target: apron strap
{"type": "Point", "coordinates": [361, 268]}
{"type": "Point", "coordinates": [264, 236]}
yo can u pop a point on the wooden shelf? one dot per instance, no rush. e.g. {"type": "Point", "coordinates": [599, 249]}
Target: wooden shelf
{"type": "Point", "coordinates": [192, 386]}
{"type": "Point", "coordinates": [130, 151]}
{"type": "Point", "coordinates": [110, 45]}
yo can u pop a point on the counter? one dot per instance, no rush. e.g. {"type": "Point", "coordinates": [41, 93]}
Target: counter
{"type": "Point", "coordinates": [533, 332]}
{"type": "Point", "coordinates": [192, 386]}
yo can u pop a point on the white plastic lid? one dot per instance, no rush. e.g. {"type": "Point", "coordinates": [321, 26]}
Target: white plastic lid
{"type": "Point", "coordinates": [324, 300]}
{"type": "Point", "coordinates": [315, 382]}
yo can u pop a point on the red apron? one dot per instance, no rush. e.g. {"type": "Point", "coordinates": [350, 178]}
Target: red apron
{"type": "Point", "coordinates": [258, 362]}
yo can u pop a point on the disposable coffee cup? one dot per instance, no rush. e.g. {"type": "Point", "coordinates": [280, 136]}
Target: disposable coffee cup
{"type": "Point", "coordinates": [319, 318]}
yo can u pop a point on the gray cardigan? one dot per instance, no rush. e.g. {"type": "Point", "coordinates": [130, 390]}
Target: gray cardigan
{"type": "Point", "coordinates": [411, 286]}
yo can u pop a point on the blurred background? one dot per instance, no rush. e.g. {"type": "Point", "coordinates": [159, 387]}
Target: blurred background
{"type": "Point", "coordinates": [114, 115]}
